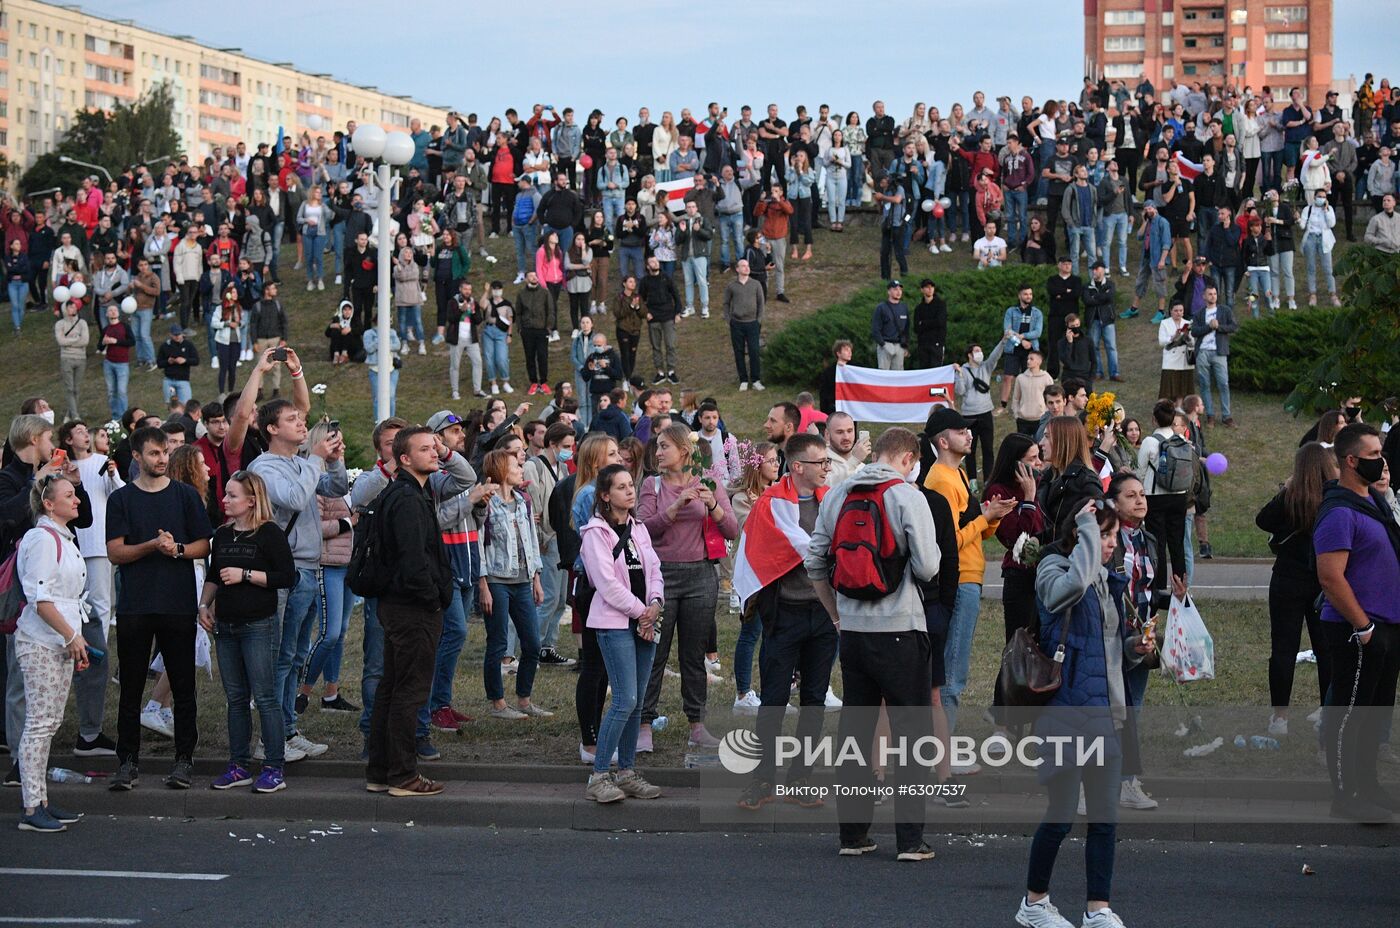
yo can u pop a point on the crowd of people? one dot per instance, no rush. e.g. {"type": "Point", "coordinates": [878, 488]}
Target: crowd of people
{"type": "Point", "coordinates": [628, 519]}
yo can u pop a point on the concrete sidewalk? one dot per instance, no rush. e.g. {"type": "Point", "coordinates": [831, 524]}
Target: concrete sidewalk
{"type": "Point", "coordinates": [552, 797]}
{"type": "Point", "coordinates": [1239, 579]}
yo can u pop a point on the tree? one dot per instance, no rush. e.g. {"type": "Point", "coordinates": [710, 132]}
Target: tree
{"type": "Point", "coordinates": [1362, 356]}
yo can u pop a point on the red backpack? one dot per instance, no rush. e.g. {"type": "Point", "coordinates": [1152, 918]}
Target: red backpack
{"type": "Point", "coordinates": [866, 562]}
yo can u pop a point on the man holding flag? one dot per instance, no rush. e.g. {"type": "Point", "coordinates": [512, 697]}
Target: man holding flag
{"type": "Point", "coordinates": [799, 633]}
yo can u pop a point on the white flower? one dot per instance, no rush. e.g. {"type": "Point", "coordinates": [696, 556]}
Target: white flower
{"type": "Point", "coordinates": [1017, 548]}
{"type": "Point", "coordinates": [490, 259]}
{"type": "Point", "coordinates": [353, 473]}
{"type": "Point", "coordinates": [319, 389]}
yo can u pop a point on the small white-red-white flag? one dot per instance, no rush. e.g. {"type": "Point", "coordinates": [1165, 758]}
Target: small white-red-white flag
{"type": "Point", "coordinates": [1190, 170]}
{"type": "Point", "coordinates": [674, 192]}
{"type": "Point", "coordinates": [871, 395]}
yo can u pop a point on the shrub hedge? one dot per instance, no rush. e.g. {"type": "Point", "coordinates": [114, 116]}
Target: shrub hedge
{"type": "Point", "coordinates": [976, 301]}
{"type": "Point", "coordinates": [1273, 353]}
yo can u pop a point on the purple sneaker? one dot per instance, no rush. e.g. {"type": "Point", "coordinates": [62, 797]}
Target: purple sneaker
{"type": "Point", "coordinates": [270, 780]}
{"type": "Point", "coordinates": [233, 776]}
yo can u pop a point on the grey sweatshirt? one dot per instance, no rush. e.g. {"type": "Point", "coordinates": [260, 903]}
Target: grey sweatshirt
{"type": "Point", "coordinates": [292, 486]}
{"type": "Point", "coordinates": [975, 403]}
{"type": "Point", "coordinates": [912, 524]}
{"type": "Point", "coordinates": [448, 488]}
{"type": "Point", "coordinates": [743, 302]}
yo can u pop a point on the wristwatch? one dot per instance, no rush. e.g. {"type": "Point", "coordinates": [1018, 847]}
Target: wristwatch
{"type": "Point", "coordinates": [179, 550]}
{"type": "Point", "coordinates": [247, 575]}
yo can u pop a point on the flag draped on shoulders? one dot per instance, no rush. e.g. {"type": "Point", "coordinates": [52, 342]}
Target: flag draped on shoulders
{"type": "Point", "coordinates": [773, 541]}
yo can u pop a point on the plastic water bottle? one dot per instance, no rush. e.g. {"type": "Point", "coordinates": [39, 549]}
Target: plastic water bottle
{"type": "Point", "coordinates": [1240, 742]}
{"type": "Point", "coordinates": [64, 775]}
{"type": "Point", "coordinates": [1263, 743]}
{"type": "Point", "coordinates": [659, 723]}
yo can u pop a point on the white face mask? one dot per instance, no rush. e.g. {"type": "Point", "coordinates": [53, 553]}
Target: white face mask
{"type": "Point", "coordinates": [47, 416]}
{"type": "Point", "coordinates": [496, 294]}
{"type": "Point", "coordinates": [977, 357]}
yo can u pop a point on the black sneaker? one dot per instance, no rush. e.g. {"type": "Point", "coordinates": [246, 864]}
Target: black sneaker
{"type": "Point", "coordinates": [338, 704]}
{"type": "Point", "coordinates": [101, 746]}
{"type": "Point", "coordinates": [426, 751]}
{"type": "Point", "coordinates": [12, 778]}
{"type": "Point", "coordinates": [782, 298]}
{"type": "Point", "coordinates": [1206, 553]}
{"type": "Point", "coordinates": [126, 778]}
{"type": "Point", "coordinates": [756, 795]}
{"type": "Point", "coordinates": [180, 776]}
{"type": "Point", "coordinates": [659, 378]}
{"type": "Point", "coordinates": [671, 376]}
{"type": "Point", "coordinates": [552, 658]}
{"type": "Point", "coordinates": [922, 852]}
{"type": "Point", "coordinates": [800, 792]}
{"type": "Point", "coordinates": [302, 702]}
{"type": "Point", "coordinates": [857, 848]}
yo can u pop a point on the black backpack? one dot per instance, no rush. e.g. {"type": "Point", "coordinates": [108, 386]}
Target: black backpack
{"type": "Point", "coordinates": [369, 571]}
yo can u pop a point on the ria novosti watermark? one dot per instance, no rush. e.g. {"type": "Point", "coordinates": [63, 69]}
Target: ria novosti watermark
{"type": "Point", "coordinates": [741, 752]}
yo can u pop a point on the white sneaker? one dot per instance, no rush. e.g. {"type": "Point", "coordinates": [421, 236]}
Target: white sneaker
{"type": "Point", "coordinates": [290, 754]}
{"type": "Point", "coordinates": [587, 757]}
{"type": "Point", "coordinates": [310, 286]}
{"type": "Point", "coordinates": [506, 387]}
{"type": "Point", "coordinates": [214, 363]}
{"type": "Point", "coordinates": [714, 679]}
{"type": "Point", "coordinates": [1040, 915]}
{"type": "Point", "coordinates": [965, 770]}
{"type": "Point", "coordinates": [967, 237]}
{"type": "Point", "coordinates": [758, 385]}
{"type": "Point", "coordinates": [1103, 918]}
{"type": "Point", "coordinates": [519, 279]}
{"type": "Point", "coordinates": [704, 314]}
{"type": "Point", "coordinates": [321, 284]}
{"type": "Point", "coordinates": [1292, 303]}
{"type": "Point", "coordinates": [485, 253]}
{"type": "Point", "coordinates": [1315, 716]}
{"type": "Point", "coordinates": [945, 248]}
{"type": "Point", "coordinates": [602, 309]}
{"type": "Point", "coordinates": [306, 745]}
{"type": "Point", "coordinates": [422, 348]}
{"type": "Point", "coordinates": [1278, 727]}
{"type": "Point", "coordinates": [337, 280]}
{"type": "Point", "coordinates": [492, 235]}
{"type": "Point", "coordinates": [933, 249]}
{"type": "Point", "coordinates": [403, 349]}
{"type": "Point", "coordinates": [747, 704]}
{"type": "Point", "coordinates": [456, 395]}
{"type": "Point", "coordinates": [668, 672]}
{"type": "Point", "coordinates": [152, 720]}
{"type": "Point", "coordinates": [554, 336]}
{"type": "Point", "coordinates": [1131, 796]}
{"type": "Point", "coordinates": [688, 313]}
{"type": "Point", "coordinates": [743, 387]}
{"type": "Point", "coordinates": [712, 666]}
{"type": "Point", "coordinates": [573, 334]}
{"type": "Point", "coordinates": [495, 389]}
{"type": "Point", "coordinates": [833, 702]}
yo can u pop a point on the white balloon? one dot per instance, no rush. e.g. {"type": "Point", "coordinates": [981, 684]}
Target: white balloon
{"type": "Point", "coordinates": [61, 295]}
{"type": "Point", "coordinates": [398, 148]}
{"type": "Point", "coordinates": [926, 206]}
{"type": "Point", "coordinates": [129, 305]}
{"type": "Point", "coordinates": [314, 121]}
{"type": "Point", "coordinates": [945, 202]}
{"type": "Point", "coordinates": [78, 290]}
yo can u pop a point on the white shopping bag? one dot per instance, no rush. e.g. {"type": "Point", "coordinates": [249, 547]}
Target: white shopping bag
{"type": "Point", "coordinates": [1188, 653]}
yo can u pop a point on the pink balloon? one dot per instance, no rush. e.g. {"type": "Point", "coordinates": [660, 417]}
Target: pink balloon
{"type": "Point", "coordinates": [586, 161]}
{"type": "Point", "coordinates": [938, 211]}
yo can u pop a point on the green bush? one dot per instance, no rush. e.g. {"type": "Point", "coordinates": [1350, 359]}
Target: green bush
{"type": "Point", "coordinates": [976, 301]}
{"type": "Point", "coordinates": [1273, 353]}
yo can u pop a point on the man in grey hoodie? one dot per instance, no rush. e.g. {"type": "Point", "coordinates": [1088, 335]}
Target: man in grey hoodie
{"type": "Point", "coordinates": [885, 654]}
{"type": "Point", "coordinates": [293, 483]}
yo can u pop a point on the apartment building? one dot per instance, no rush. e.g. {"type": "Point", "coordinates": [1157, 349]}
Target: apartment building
{"type": "Point", "coordinates": [1246, 42]}
{"type": "Point", "coordinates": [57, 59]}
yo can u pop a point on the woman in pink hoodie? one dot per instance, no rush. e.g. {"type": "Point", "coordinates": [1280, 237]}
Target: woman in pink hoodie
{"type": "Point", "coordinates": [625, 573]}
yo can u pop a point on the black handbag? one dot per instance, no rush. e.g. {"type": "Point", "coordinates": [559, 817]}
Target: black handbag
{"type": "Point", "coordinates": [1028, 676]}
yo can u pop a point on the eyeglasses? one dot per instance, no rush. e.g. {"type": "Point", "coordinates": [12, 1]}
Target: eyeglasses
{"type": "Point", "coordinates": [824, 464]}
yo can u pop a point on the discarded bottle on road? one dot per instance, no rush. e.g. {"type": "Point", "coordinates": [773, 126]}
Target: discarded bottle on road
{"type": "Point", "coordinates": [1263, 743]}
{"type": "Point", "coordinates": [659, 723]}
{"type": "Point", "coordinates": [1240, 742]}
{"type": "Point", "coordinates": [64, 775]}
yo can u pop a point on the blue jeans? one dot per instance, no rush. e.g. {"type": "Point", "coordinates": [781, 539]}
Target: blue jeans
{"type": "Point", "coordinates": [856, 180]}
{"type": "Point", "coordinates": [836, 196]}
{"type": "Point", "coordinates": [247, 667]}
{"type": "Point", "coordinates": [1211, 366]}
{"type": "Point", "coordinates": [116, 376]}
{"type": "Point", "coordinates": [1312, 251]}
{"type": "Point", "coordinates": [514, 604]}
{"type": "Point", "coordinates": [145, 350]}
{"type": "Point", "coordinates": [313, 250]}
{"type": "Point", "coordinates": [393, 388]}
{"type": "Point", "coordinates": [628, 659]}
{"type": "Point", "coordinates": [1015, 207]}
{"type": "Point", "coordinates": [298, 618]}
{"type": "Point", "coordinates": [411, 322]}
{"type": "Point", "coordinates": [526, 237]}
{"type": "Point", "coordinates": [696, 276]}
{"type": "Point", "coordinates": [1261, 287]}
{"type": "Point", "coordinates": [495, 353]}
{"type": "Point", "coordinates": [1107, 336]}
{"type": "Point", "coordinates": [1271, 165]}
{"type": "Point", "coordinates": [731, 238]}
{"type": "Point", "coordinates": [1114, 229]}
{"type": "Point", "coordinates": [373, 651]}
{"type": "Point", "coordinates": [181, 389]}
{"type": "Point", "coordinates": [749, 635]}
{"type": "Point", "coordinates": [612, 208]}
{"type": "Point", "coordinates": [338, 245]}
{"type": "Point", "coordinates": [1077, 236]}
{"type": "Point", "coordinates": [19, 293]}
{"type": "Point", "coordinates": [962, 212]}
{"type": "Point", "coordinates": [336, 602]}
{"type": "Point", "coordinates": [454, 636]}
{"type": "Point", "coordinates": [1042, 160]}
{"type": "Point", "coordinates": [957, 652]}
{"type": "Point", "coordinates": [278, 228]}
{"type": "Point", "coordinates": [1101, 786]}
{"type": "Point", "coordinates": [1228, 278]}
{"type": "Point", "coordinates": [630, 261]}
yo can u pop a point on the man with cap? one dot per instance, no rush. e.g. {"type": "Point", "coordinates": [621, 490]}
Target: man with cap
{"type": "Point", "coordinates": [1059, 173]}
{"type": "Point", "coordinates": [890, 328]}
{"type": "Point", "coordinates": [175, 358]}
{"type": "Point", "coordinates": [455, 493]}
{"type": "Point", "coordinates": [1098, 297]}
{"type": "Point", "coordinates": [950, 436]}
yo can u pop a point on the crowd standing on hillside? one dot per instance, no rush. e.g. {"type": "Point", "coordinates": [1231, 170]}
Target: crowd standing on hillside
{"type": "Point", "coordinates": [627, 519]}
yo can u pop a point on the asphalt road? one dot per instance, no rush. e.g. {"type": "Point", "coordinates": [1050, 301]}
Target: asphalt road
{"type": "Point", "coordinates": [168, 872]}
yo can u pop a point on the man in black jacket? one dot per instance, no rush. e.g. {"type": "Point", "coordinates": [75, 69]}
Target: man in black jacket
{"type": "Point", "coordinates": [663, 303]}
{"type": "Point", "coordinates": [361, 278]}
{"type": "Point", "coordinates": [1101, 315]}
{"type": "Point", "coordinates": [410, 612]}
{"type": "Point", "coordinates": [176, 356]}
{"type": "Point", "coordinates": [269, 324]}
{"type": "Point", "coordinates": [560, 210]}
{"type": "Point", "coordinates": [930, 327]}
{"type": "Point", "coordinates": [1064, 290]}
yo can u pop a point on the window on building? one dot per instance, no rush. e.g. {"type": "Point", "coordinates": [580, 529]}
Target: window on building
{"type": "Point", "coordinates": [394, 119]}
{"type": "Point", "coordinates": [1168, 45]}
{"type": "Point", "coordinates": [216, 73]}
{"type": "Point", "coordinates": [33, 143]}
{"type": "Point", "coordinates": [1238, 43]}
{"type": "Point", "coordinates": [33, 30]}
{"type": "Point", "coordinates": [4, 49]}
{"type": "Point", "coordinates": [1286, 40]}
{"type": "Point", "coordinates": [1237, 69]}
{"type": "Point", "coordinates": [1124, 43]}
{"type": "Point", "coordinates": [221, 100]}
{"type": "Point", "coordinates": [1168, 18]}
{"type": "Point", "coordinates": [1296, 66]}
{"type": "Point", "coordinates": [33, 60]}
{"type": "Point", "coordinates": [4, 137]}
{"type": "Point", "coordinates": [98, 72]}
{"type": "Point", "coordinates": [1168, 71]}
{"type": "Point", "coordinates": [1239, 17]}
{"type": "Point", "coordinates": [1285, 14]}
{"type": "Point", "coordinates": [1124, 18]}
{"type": "Point", "coordinates": [1120, 71]}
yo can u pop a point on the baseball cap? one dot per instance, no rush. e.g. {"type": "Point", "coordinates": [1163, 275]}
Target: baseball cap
{"type": "Point", "coordinates": [1098, 264]}
{"type": "Point", "coordinates": [892, 284]}
{"type": "Point", "coordinates": [175, 329]}
{"type": "Point", "coordinates": [942, 419]}
{"type": "Point", "coordinates": [442, 419]}
{"type": "Point", "coordinates": [1063, 137]}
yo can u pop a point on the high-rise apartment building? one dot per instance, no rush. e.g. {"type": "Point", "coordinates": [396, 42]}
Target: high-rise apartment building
{"type": "Point", "coordinates": [55, 60]}
{"type": "Point", "coordinates": [1245, 42]}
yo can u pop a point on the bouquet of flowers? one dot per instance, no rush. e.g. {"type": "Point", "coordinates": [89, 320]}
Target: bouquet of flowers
{"type": "Point", "coordinates": [114, 433]}
{"type": "Point", "coordinates": [700, 462]}
{"type": "Point", "coordinates": [1026, 551]}
{"type": "Point", "coordinates": [1099, 413]}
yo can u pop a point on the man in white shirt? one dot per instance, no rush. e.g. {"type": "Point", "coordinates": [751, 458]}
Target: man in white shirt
{"type": "Point", "coordinates": [990, 249]}
{"type": "Point", "coordinates": [844, 449]}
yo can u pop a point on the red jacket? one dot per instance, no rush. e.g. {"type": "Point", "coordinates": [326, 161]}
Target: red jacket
{"type": "Point", "coordinates": [982, 159]}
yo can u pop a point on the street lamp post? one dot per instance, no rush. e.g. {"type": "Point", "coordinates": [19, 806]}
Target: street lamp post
{"type": "Point", "coordinates": [393, 149]}
{"type": "Point", "coordinates": [83, 164]}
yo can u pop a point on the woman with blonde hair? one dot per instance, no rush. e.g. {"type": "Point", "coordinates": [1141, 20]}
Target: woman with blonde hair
{"type": "Point", "coordinates": [688, 519]}
{"type": "Point", "coordinates": [801, 190]}
{"type": "Point", "coordinates": [249, 562]}
{"type": "Point", "coordinates": [663, 142]}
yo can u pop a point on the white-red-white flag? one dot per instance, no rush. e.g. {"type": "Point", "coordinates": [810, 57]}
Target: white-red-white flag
{"type": "Point", "coordinates": [871, 395]}
{"type": "Point", "coordinates": [1190, 170]}
{"type": "Point", "coordinates": [674, 192]}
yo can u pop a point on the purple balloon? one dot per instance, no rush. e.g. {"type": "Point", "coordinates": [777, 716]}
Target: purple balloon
{"type": "Point", "coordinates": [1217, 464]}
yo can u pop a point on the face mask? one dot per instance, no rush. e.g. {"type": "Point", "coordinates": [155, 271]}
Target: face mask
{"type": "Point", "coordinates": [47, 416]}
{"type": "Point", "coordinates": [496, 294]}
{"type": "Point", "coordinates": [566, 455]}
{"type": "Point", "coordinates": [1370, 469]}
{"type": "Point", "coordinates": [1320, 201]}
{"type": "Point", "coordinates": [977, 357]}
{"type": "Point", "coordinates": [1353, 412]}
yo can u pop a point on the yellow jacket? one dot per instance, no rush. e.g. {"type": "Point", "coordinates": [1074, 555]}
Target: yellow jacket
{"type": "Point", "coordinates": [951, 484]}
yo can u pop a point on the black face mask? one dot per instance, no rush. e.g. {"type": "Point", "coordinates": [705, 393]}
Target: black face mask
{"type": "Point", "coordinates": [1352, 412]}
{"type": "Point", "coordinates": [1370, 469]}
